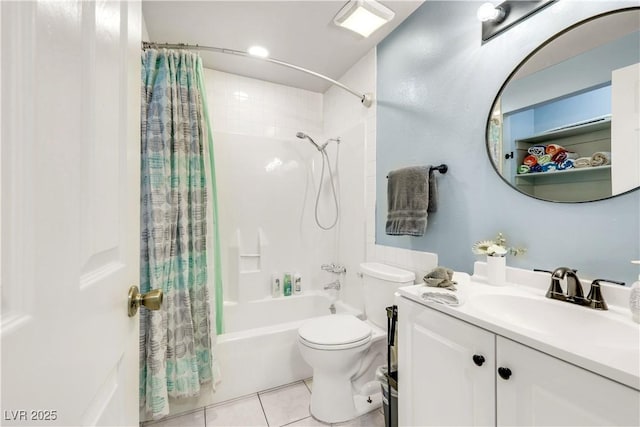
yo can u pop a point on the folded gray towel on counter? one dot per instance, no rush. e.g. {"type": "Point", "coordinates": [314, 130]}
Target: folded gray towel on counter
{"type": "Point", "coordinates": [440, 277]}
{"type": "Point", "coordinates": [411, 193]}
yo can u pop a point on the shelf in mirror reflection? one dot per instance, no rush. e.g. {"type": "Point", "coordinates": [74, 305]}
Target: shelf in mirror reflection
{"type": "Point", "coordinates": [574, 171]}
{"type": "Point", "coordinates": [569, 131]}
{"type": "Point", "coordinates": [572, 185]}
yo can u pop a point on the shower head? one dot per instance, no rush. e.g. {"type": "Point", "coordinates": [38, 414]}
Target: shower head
{"type": "Point", "coordinates": [303, 135]}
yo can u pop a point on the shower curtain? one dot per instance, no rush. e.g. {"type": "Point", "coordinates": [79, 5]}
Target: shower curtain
{"type": "Point", "coordinates": [175, 342]}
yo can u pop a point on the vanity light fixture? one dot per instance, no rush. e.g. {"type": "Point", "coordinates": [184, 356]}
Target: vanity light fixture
{"type": "Point", "coordinates": [489, 12]}
{"type": "Point", "coordinates": [497, 19]}
{"type": "Point", "coordinates": [258, 51]}
{"type": "Point", "coordinates": [363, 16]}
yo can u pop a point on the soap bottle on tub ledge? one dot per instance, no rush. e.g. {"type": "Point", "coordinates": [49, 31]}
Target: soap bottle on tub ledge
{"type": "Point", "coordinates": [276, 285]}
{"type": "Point", "coordinates": [287, 285]}
{"type": "Point", "coordinates": [297, 283]}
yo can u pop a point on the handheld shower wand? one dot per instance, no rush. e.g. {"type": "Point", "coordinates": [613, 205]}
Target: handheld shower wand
{"type": "Point", "coordinates": [303, 135]}
{"type": "Point", "coordinates": [323, 153]}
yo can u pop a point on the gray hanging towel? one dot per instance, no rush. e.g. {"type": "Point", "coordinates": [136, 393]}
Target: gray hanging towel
{"type": "Point", "coordinates": [408, 196]}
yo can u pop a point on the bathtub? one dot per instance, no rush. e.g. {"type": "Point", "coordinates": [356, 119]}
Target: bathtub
{"type": "Point", "coordinates": [259, 348]}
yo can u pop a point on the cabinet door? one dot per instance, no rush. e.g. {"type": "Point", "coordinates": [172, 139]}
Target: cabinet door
{"type": "Point", "coordinates": [439, 382]}
{"type": "Point", "coordinates": [544, 391]}
{"type": "Point", "coordinates": [625, 128]}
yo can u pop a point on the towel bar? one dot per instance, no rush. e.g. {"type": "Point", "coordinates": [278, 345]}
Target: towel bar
{"type": "Point", "coordinates": [442, 169]}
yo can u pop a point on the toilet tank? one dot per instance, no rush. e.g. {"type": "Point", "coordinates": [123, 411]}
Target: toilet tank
{"type": "Point", "coordinates": [380, 283]}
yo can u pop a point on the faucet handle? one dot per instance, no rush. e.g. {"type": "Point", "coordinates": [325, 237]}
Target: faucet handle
{"type": "Point", "coordinates": [595, 298]}
{"type": "Point", "coordinates": [555, 290]}
{"type": "Point", "coordinates": [334, 268]}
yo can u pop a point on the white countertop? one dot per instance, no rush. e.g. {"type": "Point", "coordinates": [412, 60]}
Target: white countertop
{"type": "Point", "coordinates": [612, 355]}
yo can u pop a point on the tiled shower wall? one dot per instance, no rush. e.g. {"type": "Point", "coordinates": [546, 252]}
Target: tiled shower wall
{"type": "Point", "coordinates": [245, 106]}
{"type": "Point", "coordinates": [267, 179]}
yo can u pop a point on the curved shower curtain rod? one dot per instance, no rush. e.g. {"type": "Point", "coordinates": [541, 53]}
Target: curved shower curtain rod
{"type": "Point", "coordinates": [366, 99]}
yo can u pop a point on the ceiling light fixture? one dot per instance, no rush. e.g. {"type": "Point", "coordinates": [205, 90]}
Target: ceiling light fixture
{"type": "Point", "coordinates": [363, 16]}
{"type": "Point", "coordinates": [258, 51]}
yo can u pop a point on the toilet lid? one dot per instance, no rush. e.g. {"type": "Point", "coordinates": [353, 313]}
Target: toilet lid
{"type": "Point", "coordinates": [334, 329]}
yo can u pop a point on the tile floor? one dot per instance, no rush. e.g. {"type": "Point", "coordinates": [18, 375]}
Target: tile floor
{"type": "Point", "coordinates": [282, 406]}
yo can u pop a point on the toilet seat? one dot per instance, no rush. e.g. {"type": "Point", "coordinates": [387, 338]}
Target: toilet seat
{"type": "Point", "coordinates": [334, 332]}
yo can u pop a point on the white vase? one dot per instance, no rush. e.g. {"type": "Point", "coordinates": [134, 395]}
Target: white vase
{"type": "Point", "coordinates": [497, 270]}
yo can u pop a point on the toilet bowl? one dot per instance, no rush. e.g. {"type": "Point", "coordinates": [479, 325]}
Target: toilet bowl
{"type": "Point", "coordinates": [341, 349]}
{"type": "Point", "coordinates": [335, 347]}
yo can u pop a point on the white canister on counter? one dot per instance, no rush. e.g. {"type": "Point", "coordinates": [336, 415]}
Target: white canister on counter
{"type": "Point", "coordinates": [297, 283]}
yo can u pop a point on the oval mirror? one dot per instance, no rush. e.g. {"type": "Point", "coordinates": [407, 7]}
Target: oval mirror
{"type": "Point", "coordinates": [565, 126]}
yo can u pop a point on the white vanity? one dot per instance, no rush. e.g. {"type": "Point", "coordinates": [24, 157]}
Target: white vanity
{"type": "Point", "coordinates": [510, 356]}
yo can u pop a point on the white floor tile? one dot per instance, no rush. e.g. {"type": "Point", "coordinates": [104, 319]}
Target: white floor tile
{"type": "Point", "coordinates": [193, 419]}
{"type": "Point", "coordinates": [285, 405]}
{"type": "Point", "coordinates": [308, 422]}
{"type": "Point", "coordinates": [246, 411]}
{"type": "Point", "coordinates": [371, 419]}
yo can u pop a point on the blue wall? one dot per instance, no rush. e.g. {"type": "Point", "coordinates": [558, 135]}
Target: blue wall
{"type": "Point", "coordinates": [436, 84]}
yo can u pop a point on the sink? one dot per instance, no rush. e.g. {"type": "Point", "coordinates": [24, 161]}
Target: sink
{"type": "Point", "coordinates": [561, 319]}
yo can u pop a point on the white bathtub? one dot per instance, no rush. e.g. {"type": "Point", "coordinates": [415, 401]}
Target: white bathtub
{"type": "Point", "coordinates": [256, 316]}
{"type": "Point", "coordinates": [259, 347]}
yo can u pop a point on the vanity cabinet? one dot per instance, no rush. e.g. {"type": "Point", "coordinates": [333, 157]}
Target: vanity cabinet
{"type": "Point", "coordinates": [544, 390]}
{"type": "Point", "coordinates": [439, 382]}
{"type": "Point", "coordinates": [454, 373]}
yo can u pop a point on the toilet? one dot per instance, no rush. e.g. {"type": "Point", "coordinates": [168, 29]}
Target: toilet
{"type": "Point", "coordinates": [342, 349]}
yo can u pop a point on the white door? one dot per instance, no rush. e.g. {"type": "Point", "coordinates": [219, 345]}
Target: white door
{"type": "Point", "coordinates": [540, 390]}
{"type": "Point", "coordinates": [70, 222]}
{"type": "Point", "coordinates": [445, 369]}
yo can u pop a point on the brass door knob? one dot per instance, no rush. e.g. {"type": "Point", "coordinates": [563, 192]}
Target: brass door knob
{"type": "Point", "coordinates": [152, 300]}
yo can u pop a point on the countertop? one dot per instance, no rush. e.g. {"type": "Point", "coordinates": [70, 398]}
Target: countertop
{"type": "Point", "coordinates": [572, 343]}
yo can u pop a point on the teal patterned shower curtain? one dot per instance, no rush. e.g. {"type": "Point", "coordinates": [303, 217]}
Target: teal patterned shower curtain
{"type": "Point", "coordinates": [175, 342]}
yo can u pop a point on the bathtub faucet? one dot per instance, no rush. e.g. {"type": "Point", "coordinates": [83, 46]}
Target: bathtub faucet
{"type": "Point", "coordinates": [333, 285]}
{"type": "Point", "coordinates": [334, 268]}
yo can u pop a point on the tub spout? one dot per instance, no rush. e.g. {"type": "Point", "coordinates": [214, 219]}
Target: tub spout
{"type": "Point", "coordinates": [333, 285]}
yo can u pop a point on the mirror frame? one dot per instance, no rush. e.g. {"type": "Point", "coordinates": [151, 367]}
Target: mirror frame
{"type": "Point", "coordinates": [508, 79]}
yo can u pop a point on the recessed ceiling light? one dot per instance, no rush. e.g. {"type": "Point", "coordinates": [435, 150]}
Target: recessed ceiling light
{"type": "Point", "coordinates": [363, 16]}
{"type": "Point", "coordinates": [258, 51]}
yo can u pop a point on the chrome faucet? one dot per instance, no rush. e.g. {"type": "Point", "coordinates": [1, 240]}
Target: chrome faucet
{"type": "Point", "coordinates": [333, 285]}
